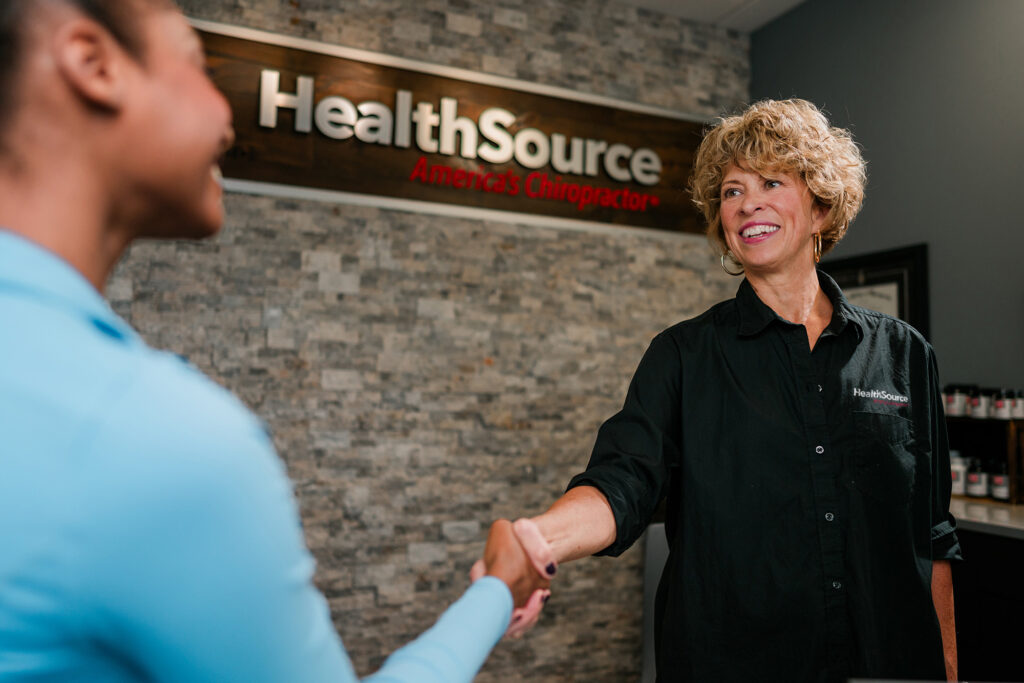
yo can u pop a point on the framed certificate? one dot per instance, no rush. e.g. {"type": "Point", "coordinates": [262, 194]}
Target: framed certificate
{"type": "Point", "coordinates": [894, 282]}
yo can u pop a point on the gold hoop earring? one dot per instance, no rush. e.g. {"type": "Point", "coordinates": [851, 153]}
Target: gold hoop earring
{"type": "Point", "coordinates": [816, 237]}
{"type": "Point", "coordinates": [733, 259]}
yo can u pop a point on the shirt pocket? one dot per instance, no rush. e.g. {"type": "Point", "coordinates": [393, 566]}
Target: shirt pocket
{"type": "Point", "coordinates": [884, 466]}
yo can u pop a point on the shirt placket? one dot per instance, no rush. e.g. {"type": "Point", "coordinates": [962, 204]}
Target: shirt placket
{"type": "Point", "coordinates": [824, 465]}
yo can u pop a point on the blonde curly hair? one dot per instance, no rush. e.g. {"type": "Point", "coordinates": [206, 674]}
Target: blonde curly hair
{"type": "Point", "coordinates": [782, 136]}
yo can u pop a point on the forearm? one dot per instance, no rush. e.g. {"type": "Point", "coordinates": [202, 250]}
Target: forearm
{"type": "Point", "coordinates": [580, 523]}
{"type": "Point", "coordinates": [942, 597]}
{"type": "Point", "coordinates": [454, 649]}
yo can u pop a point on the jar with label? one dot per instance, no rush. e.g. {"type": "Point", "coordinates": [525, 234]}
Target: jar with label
{"type": "Point", "coordinates": [999, 482]}
{"type": "Point", "coordinates": [977, 479]}
{"type": "Point", "coordinates": [958, 471]}
{"type": "Point", "coordinates": [981, 399]}
{"type": "Point", "coordinates": [1018, 405]}
{"type": "Point", "coordinates": [956, 400]}
{"type": "Point", "coordinates": [1002, 404]}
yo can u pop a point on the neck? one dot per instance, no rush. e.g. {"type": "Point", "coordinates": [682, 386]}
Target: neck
{"type": "Point", "coordinates": [63, 207]}
{"type": "Point", "coordinates": [794, 295]}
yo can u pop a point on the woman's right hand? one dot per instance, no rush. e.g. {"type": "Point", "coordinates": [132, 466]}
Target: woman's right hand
{"type": "Point", "coordinates": [506, 558]}
{"type": "Point", "coordinates": [580, 523]}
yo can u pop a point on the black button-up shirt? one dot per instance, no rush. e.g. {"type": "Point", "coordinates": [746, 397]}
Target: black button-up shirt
{"type": "Point", "coordinates": [807, 494]}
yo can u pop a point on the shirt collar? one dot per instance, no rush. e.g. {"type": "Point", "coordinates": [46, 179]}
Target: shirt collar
{"type": "Point", "coordinates": [42, 275]}
{"type": "Point", "coordinates": [755, 315]}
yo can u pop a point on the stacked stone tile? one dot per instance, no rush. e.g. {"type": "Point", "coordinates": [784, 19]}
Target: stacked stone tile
{"type": "Point", "coordinates": [425, 375]}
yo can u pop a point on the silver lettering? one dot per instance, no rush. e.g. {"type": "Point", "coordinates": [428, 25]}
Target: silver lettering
{"type": "Point", "coordinates": [452, 124]}
{"type": "Point", "coordinates": [272, 99]}
{"type": "Point", "coordinates": [494, 123]}
{"type": "Point", "coordinates": [375, 125]}
{"type": "Point", "coordinates": [562, 164]}
{"type": "Point", "coordinates": [541, 153]}
{"type": "Point", "coordinates": [611, 162]}
{"type": "Point", "coordinates": [594, 150]}
{"type": "Point", "coordinates": [335, 117]}
{"type": "Point", "coordinates": [645, 166]}
{"type": "Point", "coordinates": [425, 120]}
{"type": "Point", "coordinates": [403, 117]}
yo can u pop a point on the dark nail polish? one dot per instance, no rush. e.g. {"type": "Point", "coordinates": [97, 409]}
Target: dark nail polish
{"type": "Point", "coordinates": [550, 569]}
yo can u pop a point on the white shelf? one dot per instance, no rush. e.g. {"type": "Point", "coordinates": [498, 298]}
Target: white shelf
{"type": "Point", "coordinates": [988, 516]}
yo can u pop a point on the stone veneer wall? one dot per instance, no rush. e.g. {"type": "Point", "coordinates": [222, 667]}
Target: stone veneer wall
{"type": "Point", "coordinates": [424, 375]}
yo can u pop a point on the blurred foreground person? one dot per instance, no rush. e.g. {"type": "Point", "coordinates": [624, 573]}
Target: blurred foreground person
{"type": "Point", "coordinates": [148, 531]}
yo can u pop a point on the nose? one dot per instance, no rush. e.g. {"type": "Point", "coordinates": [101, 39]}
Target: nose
{"type": "Point", "coordinates": [227, 140]}
{"type": "Point", "coordinates": [752, 201]}
{"type": "Point", "coordinates": [227, 117]}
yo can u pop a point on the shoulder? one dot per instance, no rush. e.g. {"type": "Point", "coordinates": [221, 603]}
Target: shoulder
{"type": "Point", "coordinates": [174, 422]}
{"type": "Point", "coordinates": [668, 348]}
{"type": "Point", "coordinates": [167, 390]}
{"type": "Point", "coordinates": [78, 381]}
{"type": "Point", "coordinates": [126, 453]}
{"type": "Point", "coordinates": [880, 328]}
{"type": "Point", "coordinates": [686, 332]}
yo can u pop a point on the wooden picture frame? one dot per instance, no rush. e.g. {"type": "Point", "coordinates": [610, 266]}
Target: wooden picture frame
{"type": "Point", "coordinates": [893, 282]}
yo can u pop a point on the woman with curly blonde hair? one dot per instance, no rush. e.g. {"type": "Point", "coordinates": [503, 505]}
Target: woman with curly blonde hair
{"type": "Point", "coordinates": [798, 442]}
{"type": "Point", "coordinates": [789, 137]}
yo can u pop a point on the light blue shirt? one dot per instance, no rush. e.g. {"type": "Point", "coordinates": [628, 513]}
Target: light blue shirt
{"type": "Point", "coordinates": [148, 531]}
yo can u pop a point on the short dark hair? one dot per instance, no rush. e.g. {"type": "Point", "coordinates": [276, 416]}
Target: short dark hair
{"type": "Point", "coordinates": [117, 16]}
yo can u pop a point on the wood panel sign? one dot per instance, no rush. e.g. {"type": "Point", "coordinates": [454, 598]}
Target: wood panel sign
{"type": "Point", "coordinates": [310, 115]}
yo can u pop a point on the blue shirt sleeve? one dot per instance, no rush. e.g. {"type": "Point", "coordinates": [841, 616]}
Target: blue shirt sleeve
{"type": "Point", "coordinates": [458, 644]}
{"type": "Point", "coordinates": [195, 564]}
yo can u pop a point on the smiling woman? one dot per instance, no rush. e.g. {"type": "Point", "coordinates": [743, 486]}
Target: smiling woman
{"type": "Point", "coordinates": [774, 138]}
{"type": "Point", "coordinates": [149, 530]}
{"type": "Point", "coordinates": [798, 441]}
{"type": "Point", "coordinates": [769, 223]}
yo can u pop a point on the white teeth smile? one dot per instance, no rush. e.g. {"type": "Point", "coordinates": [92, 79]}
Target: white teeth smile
{"type": "Point", "coordinates": [217, 175]}
{"type": "Point", "coordinates": [756, 230]}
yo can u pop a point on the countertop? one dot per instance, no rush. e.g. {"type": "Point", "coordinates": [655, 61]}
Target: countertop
{"type": "Point", "coordinates": [988, 516]}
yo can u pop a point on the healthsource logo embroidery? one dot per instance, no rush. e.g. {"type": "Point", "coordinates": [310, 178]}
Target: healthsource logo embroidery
{"type": "Point", "coordinates": [883, 397]}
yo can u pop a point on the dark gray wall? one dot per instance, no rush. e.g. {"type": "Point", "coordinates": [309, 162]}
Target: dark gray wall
{"type": "Point", "coordinates": [933, 91]}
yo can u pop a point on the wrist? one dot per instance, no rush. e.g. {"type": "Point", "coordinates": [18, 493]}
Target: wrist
{"type": "Point", "coordinates": [549, 532]}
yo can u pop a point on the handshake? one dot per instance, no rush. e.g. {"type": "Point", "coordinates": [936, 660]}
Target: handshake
{"type": "Point", "coordinates": [520, 556]}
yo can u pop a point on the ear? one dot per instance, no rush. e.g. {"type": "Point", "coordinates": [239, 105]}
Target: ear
{"type": "Point", "coordinates": [92, 63]}
{"type": "Point", "coordinates": [819, 212]}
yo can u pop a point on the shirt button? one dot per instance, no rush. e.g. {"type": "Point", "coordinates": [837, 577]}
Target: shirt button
{"type": "Point", "coordinates": [819, 449]}
{"type": "Point", "coordinates": [829, 516]}
{"type": "Point", "coordinates": [837, 585]}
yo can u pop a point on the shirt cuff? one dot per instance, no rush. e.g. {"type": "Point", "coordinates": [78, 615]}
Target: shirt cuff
{"type": "Point", "coordinates": [945, 544]}
{"type": "Point", "coordinates": [455, 648]}
{"type": "Point", "coordinates": [623, 538]}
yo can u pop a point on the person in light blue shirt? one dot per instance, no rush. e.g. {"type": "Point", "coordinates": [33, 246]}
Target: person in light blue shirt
{"type": "Point", "coordinates": [148, 531]}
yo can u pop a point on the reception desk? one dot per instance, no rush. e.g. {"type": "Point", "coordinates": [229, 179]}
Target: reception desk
{"type": "Point", "coordinates": [988, 591]}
